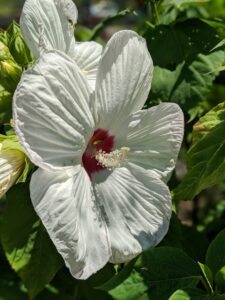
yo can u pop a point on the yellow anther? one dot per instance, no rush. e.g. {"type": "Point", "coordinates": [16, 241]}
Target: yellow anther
{"type": "Point", "coordinates": [97, 142]}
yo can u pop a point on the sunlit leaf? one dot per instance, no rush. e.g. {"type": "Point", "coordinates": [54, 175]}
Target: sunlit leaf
{"type": "Point", "coordinates": [194, 294]}
{"type": "Point", "coordinates": [156, 274]}
{"type": "Point", "coordinates": [28, 248]}
{"type": "Point", "coordinates": [220, 280]}
{"type": "Point", "coordinates": [207, 276]}
{"type": "Point", "coordinates": [208, 122]}
{"type": "Point", "coordinates": [184, 76]}
{"type": "Point", "coordinates": [206, 158]}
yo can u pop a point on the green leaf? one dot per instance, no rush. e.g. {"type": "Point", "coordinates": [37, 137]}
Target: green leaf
{"type": "Point", "coordinates": [189, 83]}
{"type": "Point", "coordinates": [215, 256]}
{"type": "Point", "coordinates": [205, 159]}
{"type": "Point", "coordinates": [217, 24]}
{"type": "Point", "coordinates": [18, 226]}
{"type": "Point", "coordinates": [214, 117]}
{"type": "Point", "coordinates": [180, 295]}
{"type": "Point", "coordinates": [194, 294]}
{"type": "Point", "coordinates": [219, 45]}
{"type": "Point", "coordinates": [216, 9]}
{"type": "Point", "coordinates": [27, 246]}
{"type": "Point", "coordinates": [170, 9]}
{"type": "Point", "coordinates": [183, 76]}
{"type": "Point", "coordinates": [188, 294]}
{"type": "Point", "coordinates": [86, 289]}
{"type": "Point", "coordinates": [194, 243]}
{"type": "Point", "coordinates": [107, 21]}
{"type": "Point", "coordinates": [207, 276]}
{"type": "Point", "coordinates": [43, 264]}
{"type": "Point", "coordinates": [220, 280]}
{"type": "Point", "coordinates": [156, 274]}
{"type": "Point", "coordinates": [186, 238]}
{"type": "Point", "coordinates": [180, 3]}
{"type": "Point", "coordinates": [189, 38]}
{"type": "Point", "coordinates": [174, 236]}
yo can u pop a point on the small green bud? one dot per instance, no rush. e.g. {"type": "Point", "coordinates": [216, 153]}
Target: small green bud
{"type": "Point", "coordinates": [17, 46]}
{"type": "Point", "coordinates": [4, 52]}
{"type": "Point", "coordinates": [10, 74]}
{"type": "Point", "coordinates": [4, 37]}
{"type": "Point", "coordinates": [5, 106]}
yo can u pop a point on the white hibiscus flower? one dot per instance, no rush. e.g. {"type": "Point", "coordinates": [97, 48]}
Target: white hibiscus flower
{"type": "Point", "coordinates": [49, 24]}
{"type": "Point", "coordinates": [100, 188]}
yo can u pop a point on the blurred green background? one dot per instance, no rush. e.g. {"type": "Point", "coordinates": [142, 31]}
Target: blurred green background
{"type": "Point", "coordinates": [90, 12]}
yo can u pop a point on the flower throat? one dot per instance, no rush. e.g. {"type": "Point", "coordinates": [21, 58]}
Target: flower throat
{"type": "Point", "coordinates": [99, 153]}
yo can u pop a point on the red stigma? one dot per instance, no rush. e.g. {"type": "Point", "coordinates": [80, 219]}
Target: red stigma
{"type": "Point", "coordinates": [100, 140]}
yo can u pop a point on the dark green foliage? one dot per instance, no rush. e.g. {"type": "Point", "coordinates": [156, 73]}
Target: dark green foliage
{"type": "Point", "coordinates": [156, 274]}
{"type": "Point", "coordinates": [186, 41]}
{"type": "Point", "coordinates": [27, 246]}
{"type": "Point", "coordinates": [205, 158]}
{"type": "Point", "coordinates": [184, 63]}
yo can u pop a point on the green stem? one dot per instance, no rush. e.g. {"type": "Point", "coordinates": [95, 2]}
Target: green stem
{"type": "Point", "coordinates": [155, 11]}
{"type": "Point", "coordinates": [206, 286]}
{"type": "Point", "coordinates": [98, 28]}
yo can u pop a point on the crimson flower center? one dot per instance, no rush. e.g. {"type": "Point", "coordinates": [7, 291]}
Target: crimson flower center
{"type": "Point", "coordinates": [101, 140]}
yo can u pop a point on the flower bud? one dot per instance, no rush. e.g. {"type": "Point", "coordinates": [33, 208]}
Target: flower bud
{"type": "Point", "coordinates": [10, 74]}
{"type": "Point", "coordinates": [4, 52]}
{"type": "Point", "coordinates": [4, 37]}
{"type": "Point", "coordinates": [12, 163]}
{"type": "Point", "coordinates": [17, 46]}
{"type": "Point", "coordinates": [5, 106]}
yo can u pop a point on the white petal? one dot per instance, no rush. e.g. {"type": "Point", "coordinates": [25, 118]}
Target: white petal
{"type": "Point", "coordinates": [154, 137]}
{"type": "Point", "coordinates": [72, 219]}
{"type": "Point", "coordinates": [49, 22]}
{"type": "Point", "coordinates": [123, 79]}
{"type": "Point", "coordinates": [11, 165]}
{"type": "Point", "coordinates": [87, 56]}
{"type": "Point", "coordinates": [51, 112]}
{"type": "Point", "coordinates": [137, 207]}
